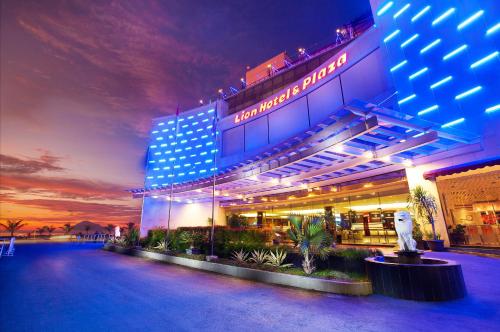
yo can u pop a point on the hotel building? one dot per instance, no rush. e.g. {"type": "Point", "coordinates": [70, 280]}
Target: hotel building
{"type": "Point", "coordinates": [408, 98]}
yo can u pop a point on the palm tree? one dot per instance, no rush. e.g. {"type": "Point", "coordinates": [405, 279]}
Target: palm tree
{"type": "Point", "coordinates": [309, 234]}
{"type": "Point", "coordinates": [67, 228]}
{"type": "Point", "coordinates": [110, 228]}
{"type": "Point", "coordinates": [50, 230]}
{"type": "Point", "coordinates": [41, 230]}
{"type": "Point", "coordinates": [424, 205]}
{"type": "Point", "coordinates": [13, 225]}
{"type": "Point", "coordinates": [87, 229]}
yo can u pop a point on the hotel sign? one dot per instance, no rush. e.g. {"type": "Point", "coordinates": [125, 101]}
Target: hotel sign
{"type": "Point", "coordinates": [306, 83]}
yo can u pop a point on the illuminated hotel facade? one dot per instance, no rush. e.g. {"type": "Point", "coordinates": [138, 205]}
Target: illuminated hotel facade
{"type": "Point", "coordinates": [412, 100]}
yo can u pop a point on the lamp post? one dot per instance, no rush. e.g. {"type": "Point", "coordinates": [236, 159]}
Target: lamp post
{"type": "Point", "coordinates": [212, 233]}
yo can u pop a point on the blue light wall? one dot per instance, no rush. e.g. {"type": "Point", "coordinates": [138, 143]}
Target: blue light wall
{"type": "Point", "coordinates": [183, 149]}
{"type": "Point", "coordinates": [443, 57]}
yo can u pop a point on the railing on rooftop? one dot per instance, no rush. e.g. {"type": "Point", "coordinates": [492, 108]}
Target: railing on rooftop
{"type": "Point", "coordinates": [316, 53]}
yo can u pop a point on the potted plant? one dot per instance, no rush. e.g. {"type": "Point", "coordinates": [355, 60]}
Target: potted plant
{"type": "Point", "coordinates": [424, 205]}
{"type": "Point", "coordinates": [457, 234]}
{"type": "Point", "coordinates": [418, 236]}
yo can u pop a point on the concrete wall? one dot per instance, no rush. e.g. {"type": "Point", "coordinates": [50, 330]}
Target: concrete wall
{"type": "Point", "coordinates": [415, 178]}
{"type": "Point", "coordinates": [363, 76]}
{"type": "Point", "coordinates": [487, 147]}
{"type": "Point", "coordinates": [155, 214]}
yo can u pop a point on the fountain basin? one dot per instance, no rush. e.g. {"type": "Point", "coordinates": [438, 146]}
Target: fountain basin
{"type": "Point", "coordinates": [431, 280]}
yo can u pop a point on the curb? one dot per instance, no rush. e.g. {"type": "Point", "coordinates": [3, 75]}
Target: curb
{"type": "Point", "coordinates": [356, 288]}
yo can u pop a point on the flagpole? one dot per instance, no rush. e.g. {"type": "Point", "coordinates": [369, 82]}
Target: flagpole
{"type": "Point", "coordinates": [214, 129]}
{"type": "Point", "coordinates": [173, 176]}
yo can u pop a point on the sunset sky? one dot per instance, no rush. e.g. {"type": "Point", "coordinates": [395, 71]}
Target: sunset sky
{"type": "Point", "coordinates": [81, 81]}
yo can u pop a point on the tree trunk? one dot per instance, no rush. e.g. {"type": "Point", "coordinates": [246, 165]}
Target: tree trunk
{"type": "Point", "coordinates": [334, 232]}
{"type": "Point", "coordinates": [431, 220]}
{"type": "Point", "coordinates": [308, 263]}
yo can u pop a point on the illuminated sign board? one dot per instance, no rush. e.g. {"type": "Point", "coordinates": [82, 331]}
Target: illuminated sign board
{"type": "Point", "coordinates": [306, 83]}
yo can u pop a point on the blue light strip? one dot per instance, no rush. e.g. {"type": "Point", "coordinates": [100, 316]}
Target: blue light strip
{"type": "Point", "coordinates": [445, 15]}
{"type": "Point", "coordinates": [407, 99]}
{"type": "Point", "coordinates": [441, 82]}
{"type": "Point", "coordinates": [493, 108]}
{"type": "Point", "coordinates": [468, 92]}
{"type": "Point", "coordinates": [428, 109]}
{"type": "Point", "coordinates": [385, 8]}
{"type": "Point", "coordinates": [482, 61]}
{"type": "Point", "coordinates": [493, 29]}
{"type": "Point", "coordinates": [452, 123]}
{"type": "Point", "coordinates": [455, 52]}
{"type": "Point", "coordinates": [399, 65]}
{"type": "Point", "coordinates": [409, 40]}
{"type": "Point", "coordinates": [392, 35]}
{"type": "Point", "coordinates": [431, 45]}
{"type": "Point", "coordinates": [418, 73]}
{"type": "Point", "coordinates": [471, 19]}
{"type": "Point", "coordinates": [402, 10]}
{"type": "Point", "coordinates": [420, 14]}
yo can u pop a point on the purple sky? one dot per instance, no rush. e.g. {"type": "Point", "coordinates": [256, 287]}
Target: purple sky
{"type": "Point", "coordinates": [81, 81]}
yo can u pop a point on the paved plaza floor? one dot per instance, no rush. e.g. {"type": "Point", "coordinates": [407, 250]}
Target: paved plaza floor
{"type": "Point", "coordinates": [78, 287]}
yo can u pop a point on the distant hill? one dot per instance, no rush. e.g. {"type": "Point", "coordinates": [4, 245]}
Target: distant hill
{"type": "Point", "coordinates": [81, 227]}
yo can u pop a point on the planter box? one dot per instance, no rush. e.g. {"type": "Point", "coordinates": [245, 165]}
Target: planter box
{"type": "Point", "coordinates": [358, 288]}
{"type": "Point", "coordinates": [422, 245]}
{"type": "Point", "coordinates": [457, 238]}
{"type": "Point", "coordinates": [436, 245]}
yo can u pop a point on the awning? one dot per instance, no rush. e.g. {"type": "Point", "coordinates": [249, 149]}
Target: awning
{"type": "Point", "coordinates": [359, 141]}
{"type": "Point", "coordinates": [477, 164]}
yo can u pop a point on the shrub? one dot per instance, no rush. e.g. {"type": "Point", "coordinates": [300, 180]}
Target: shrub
{"type": "Point", "coordinates": [236, 221]}
{"type": "Point", "coordinates": [155, 237]}
{"type": "Point", "coordinates": [259, 257]}
{"type": "Point", "coordinates": [229, 240]}
{"type": "Point", "coordinates": [353, 254]}
{"type": "Point", "coordinates": [119, 241]}
{"type": "Point", "coordinates": [132, 237]}
{"type": "Point", "coordinates": [192, 239]}
{"type": "Point", "coordinates": [226, 240]}
{"type": "Point", "coordinates": [351, 260]}
{"type": "Point", "coordinates": [240, 256]}
{"type": "Point", "coordinates": [277, 258]}
{"type": "Point", "coordinates": [162, 246]}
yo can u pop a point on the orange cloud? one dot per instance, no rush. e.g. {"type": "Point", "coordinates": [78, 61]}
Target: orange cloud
{"type": "Point", "coordinates": [46, 162]}
{"type": "Point", "coordinates": [25, 192]}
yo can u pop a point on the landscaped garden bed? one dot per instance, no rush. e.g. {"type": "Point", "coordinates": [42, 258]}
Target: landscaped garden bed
{"type": "Point", "coordinates": [293, 277]}
{"type": "Point", "coordinates": [313, 263]}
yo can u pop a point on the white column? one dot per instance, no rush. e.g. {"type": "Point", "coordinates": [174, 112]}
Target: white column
{"type": "Point", "coordinates": [415, 177]}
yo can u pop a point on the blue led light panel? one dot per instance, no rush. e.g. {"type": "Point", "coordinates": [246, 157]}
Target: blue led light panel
{"type": "Point", "coordinates": [446, 54]}
{"type": "Point", "coordinates": [181, 149]}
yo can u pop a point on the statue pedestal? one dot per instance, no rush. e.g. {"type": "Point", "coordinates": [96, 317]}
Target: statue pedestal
{"type": "Point", "coordinates": [420, 282]}
{"type": "Point", "coordinates": [409, 257]}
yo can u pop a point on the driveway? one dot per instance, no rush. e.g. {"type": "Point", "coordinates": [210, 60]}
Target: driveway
{"type": "Point", "coordinates": [78, 287]}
